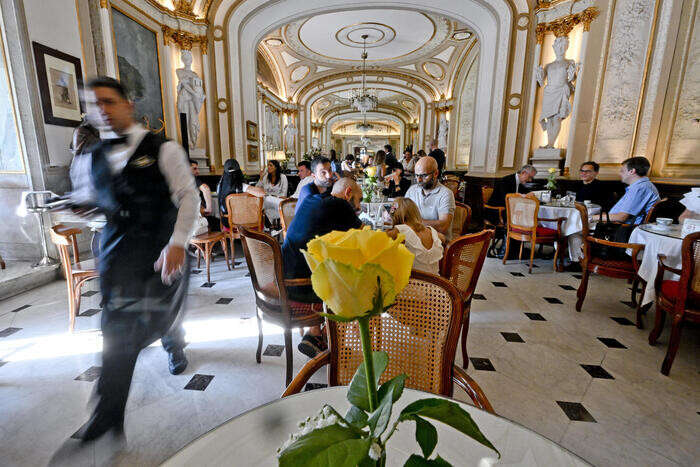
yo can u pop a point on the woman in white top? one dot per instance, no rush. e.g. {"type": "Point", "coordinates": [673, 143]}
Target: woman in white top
{"type": "Point", "coordinates": [274, 182]}
{"type": "Point", "coordinates": [423, 241]}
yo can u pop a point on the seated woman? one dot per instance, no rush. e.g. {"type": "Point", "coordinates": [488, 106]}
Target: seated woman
{"type": "Point", "coordinates": [423, 241]}
{"type": "Point", "coordinates": [380, 163]}
{"type": "Point", "coordinates": [232, 182]}
{"type": "Point", "coordinates": [275, 185]}
{"type": "Point", "coordinates": [397, 184]}
{"type": "Point", "coordinates": [348, 165]}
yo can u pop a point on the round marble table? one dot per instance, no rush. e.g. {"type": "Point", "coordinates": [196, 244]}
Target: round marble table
{"type": "Point", "coordinates": [253, 437]}
{"type": "Point", "coordinates": [657, 242]}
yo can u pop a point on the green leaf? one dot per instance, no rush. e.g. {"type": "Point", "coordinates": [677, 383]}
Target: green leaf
{"type": "Point", "coordinates": [379, 420]}
{"type": "Point", "coordinates": [357, 392]}
{"type": "Point", "coordinates": [356, 417]}
{"type": "Point", "coordinates": [340, 319]}
{"type": "Point", "coordinates": [426, 435]}
{"type": "Point", "coordinates": [333, 445]}
{"type": "Point", "coordinates": [417, 461]}
{"type": "Point", "coordinates": [448, 413]}
{"type": "Point", "coordinates": [398, 388]}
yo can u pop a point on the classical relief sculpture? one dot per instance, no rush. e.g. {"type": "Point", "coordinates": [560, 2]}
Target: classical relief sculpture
{"type": "Point", "coordinates": [290, 132]}
{"type": "Point", "coordinates": [443, 129]}
{"type": "Point", "coordinates": [560, 75]}
{"type": "Point", "coordinates": [190, 96]}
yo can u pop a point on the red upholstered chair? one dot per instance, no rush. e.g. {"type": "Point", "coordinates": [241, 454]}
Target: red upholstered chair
{"type": "Point", "coordinates": [523, 224]}
{"type": "Point", "coordinates": [264, 257]}
{"type": "Point", "coordinates": [679, 299]}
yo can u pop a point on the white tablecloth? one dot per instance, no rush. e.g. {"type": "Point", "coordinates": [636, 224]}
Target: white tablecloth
{"type": "Point", "coordinates": [571, 227]}
{"type": "Point", "coordinates": [253, 438]}
{"type": "Point", "coordinates": [655, 245]}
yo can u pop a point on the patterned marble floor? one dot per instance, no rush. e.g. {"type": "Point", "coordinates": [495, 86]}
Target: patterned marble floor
{"type": "Point", "coordinates": [588, 380]}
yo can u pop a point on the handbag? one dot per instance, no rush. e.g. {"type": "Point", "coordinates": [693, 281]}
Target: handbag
{"type": "Point", "coordinates": [611, 232]}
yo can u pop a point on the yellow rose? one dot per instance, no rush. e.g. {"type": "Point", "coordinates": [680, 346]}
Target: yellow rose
{"type": "Point", "coordinates": [371, 171]}
{"type": "Point", "coordinates": [345, 266]}
{"type": "Point", "coordinates": [552, 170]}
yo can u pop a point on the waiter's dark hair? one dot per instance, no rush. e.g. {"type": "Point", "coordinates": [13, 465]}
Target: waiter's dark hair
{"type": "Point", "coordinates": [319, 160]}
{"type": "Point", "coordinates": [639, 164]}
{"type": "Point", "coordinates": [107, 82]}
{"type": "Point", "coordinates": [306, 164]}
{"type": "Point", "coordinates": [193, 161]}
{"type": "Point", "coordinates": [387, 147]}
{"type": "Point", "coordinates": [595, 165]}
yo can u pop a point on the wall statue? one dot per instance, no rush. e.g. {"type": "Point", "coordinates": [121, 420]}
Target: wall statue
{"type": "Point", "coordinates": [190, 96]}
{"type": "Point", "coordinates": [290, 132]}
{"type": "Point", "coordinates": [443, 129]}
{"type": "Point", "coordinates": [560, 75]}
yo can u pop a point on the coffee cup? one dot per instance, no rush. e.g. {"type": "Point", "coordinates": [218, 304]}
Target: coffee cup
{"type": "Point", "coordinates": [664, 221]}
{"type": "Point", "coordinates": [587, 202]}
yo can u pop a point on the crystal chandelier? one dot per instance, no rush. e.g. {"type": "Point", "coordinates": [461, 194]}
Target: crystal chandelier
{"type": "Point", "coordinates": [364, 126]}
{"type": "Point", "coordinates": [364, 99]}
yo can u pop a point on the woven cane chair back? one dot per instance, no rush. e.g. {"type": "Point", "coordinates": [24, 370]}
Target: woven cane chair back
{"type": "Point", "coordinates": [264, 259]}
{"type": "Point", "coordinates": [464, 259]}
{"type": "Point", "coordinates": [452, 184]}
{"type": "Point", "coordinates": [419, 332]}
{"type": "Point", "coordinates": [245, 210]}
{"type": "Point", "coordinates": [522, 211]}
{"type": "Point", "coordinates": [461, 219]}
{"type": "Point", "coordinates": [286, 211]}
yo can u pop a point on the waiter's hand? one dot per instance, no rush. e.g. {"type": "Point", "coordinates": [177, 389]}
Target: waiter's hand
{"type": "Point", "coordinates": [170, 263]}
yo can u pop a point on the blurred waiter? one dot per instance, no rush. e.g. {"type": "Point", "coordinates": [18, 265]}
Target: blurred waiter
{"type": "Point", "coordinates": [143, 185]}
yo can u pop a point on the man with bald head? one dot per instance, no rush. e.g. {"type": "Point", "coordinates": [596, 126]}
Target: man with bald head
{"type": "Point", "coordinates": [435, 201]}
{"type": "Point", "coordinates": [317, 214]}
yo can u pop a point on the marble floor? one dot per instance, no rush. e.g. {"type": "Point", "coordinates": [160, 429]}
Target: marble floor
{"type": "Point", "coordinates": [588, 380]}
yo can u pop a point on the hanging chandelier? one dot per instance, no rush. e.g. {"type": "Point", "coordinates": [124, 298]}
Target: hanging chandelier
{"type": "Point", "coordinates": [364, 126]}
{"type": "Point", "coordinates": [364, 99]}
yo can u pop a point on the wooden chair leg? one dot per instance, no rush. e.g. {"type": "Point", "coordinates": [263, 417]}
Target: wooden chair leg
{"type": "Point", "coordinates": [556, 256]}
{"type": "Point", "coordinates": [520, 255]}
{"type": "Point", "coordinates": [232, 241]}
{"type": "Point", "coordinates": [223, 247]}
{"type": "Point", "coordinates": [258, 353]}
{"type": "Point", "coordinates": [199, 258]}
{"type": "Point", "coordinates": [2, 263]}
{"type": "Point", "coordinates": [658, 325]}
{"type": "Point", "coordinates": [465, 333]}
{"type": "Point", "coordinates": [582, 289]}
{"type": "Point", "coordinates": [207, 259]}
{"type": "Point", "coordinates": [641, 310]}
{"type": "Point", "coordinates": [71, 304]}
{"type": "Point", "coordinates": [533, 243]}
{"type": "Point", "coordinates": [505, 255]}
{"type": "Point", "coordinates": [635, 287]}
{"type": "Point", "coordinates": [290, 355]}
{"type": "Point", "coordinates": [673, 343]}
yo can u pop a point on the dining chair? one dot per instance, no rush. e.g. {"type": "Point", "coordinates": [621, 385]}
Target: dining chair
{"type": "Point", "coordinates": [204, 244]}
{"type": "Point", "coordinates": [461, 264]}
{"type": "Point", "coordinates": [244, 210]}
{"type": "Point", "coordinates": [680, 299]}
{"type": "Point", "coordinates": [453, 184]}
{"type": "Point", "coordinates": [76, 272]}
{"type": "Point", "coordinates": [286, 210]}
{"type": "Point", "coordinates": [264, 258]}
{"type": "Point", "coordinates": [419, 333]}
{"type": "Point", "coordinates": [461, 219]}
{"type": "Point", "coordinates": [665, 207]}
{"type": "Point", "coordinates": [486, 192]}
{"type": "Point", "coordinates": [523, 225]}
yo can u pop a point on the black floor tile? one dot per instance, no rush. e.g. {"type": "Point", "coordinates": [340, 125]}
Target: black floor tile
{"type": "Point", "coordinates": [536, 266]}
{"type": "Point", "coordinates": [91, 374]}
{"type": "Point", "coordinates": [196, 271]}
{"type": "Point", "coordinates": [517, 274]}
{"type": "Point", "coordinates": [20, 308]}
{"type": "Point", "coordinates": [90, 293]}
{"type": "Point", "coordinates": [208, 285]}
{"type": "Point", "coordinates": [312, 386]}
{"type": "Point", "coordinates": [2, 363]}
{"type": "Point", "coordinates": [273, 350]}
{"type": "Point", "coordinates": [478, 296]}
{"type": "Point", "coordinates": [199, 382]}
{"type": "Point", "coordinates": [597, 371]}
{"type": "Point", "coordinates": [247, 274]}
{"type": "Point", "coordinates": [623, 321]}
{"type": "Point", "coordinates": [535, 316]}
{"type": "Point", "coordinates": [577, 276]}
{"type": "Point", "coordinates": [499, 284]}
{"type": "Point", "coordinates": [482, 364]}
{"type": "Point", "coordinates": [90, 312]}
{"type": "Point", "coordinates": [567, 287]}
{"type": "Point", "coordinates": [576, 411]}
{"type": "Point", "coordinates": [628, 303]}
{"type": "Point", "coordinates": [612, 343]}
{"type": "Point", "coordinates": [512, 337]}
{"type": "Point", "coordinates": [553, 300]}
{"type": "Point", "coordinates": [9, 331]}
{"type": "Point", "coordinates": [224, 301]}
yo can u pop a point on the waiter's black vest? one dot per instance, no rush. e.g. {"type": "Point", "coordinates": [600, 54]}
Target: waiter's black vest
{"type": "Point", "coordinates": [140, 213]}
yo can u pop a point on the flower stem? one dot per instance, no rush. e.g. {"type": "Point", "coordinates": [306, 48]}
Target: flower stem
{"type": "Point", "coordinates": [369, 364]}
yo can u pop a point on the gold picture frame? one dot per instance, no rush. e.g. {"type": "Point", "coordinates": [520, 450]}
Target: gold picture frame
{"type": "Point", "coordinates": [253, 153]}
{"type": "Point", "coordinates": [251, 131]}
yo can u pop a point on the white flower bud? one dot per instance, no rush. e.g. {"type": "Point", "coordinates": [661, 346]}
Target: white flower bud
{"type": "Point", "coordinates": [375, 451]}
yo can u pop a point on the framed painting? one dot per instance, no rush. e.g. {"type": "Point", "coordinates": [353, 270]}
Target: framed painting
{"type": "Point", "coordinates": [251, 130]}
{"type": "Point", "coordinates": [138, 63]}
{"type": "Point", "coordinates": [60, 79]}
{"type": "Point", "coordinates": [253, 153]}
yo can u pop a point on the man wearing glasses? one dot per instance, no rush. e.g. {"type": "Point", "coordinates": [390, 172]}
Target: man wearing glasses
{"type": "Point", "coordinates": [435, 201]}
{"type": "Point", "coordinates": [591, 188]}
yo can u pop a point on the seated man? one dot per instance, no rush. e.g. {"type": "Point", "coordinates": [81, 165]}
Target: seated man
{"type": "Point", "coordinates": [305, 177]}
{"type": "Point", "coordinates": [435, 201]}
{"type": "Point", "coordinates": [323, 179]}
{"type": "Point", "coordinates": [639, 196]}
{"type": "Point", "coordinates": [591, 188]}
{"type": "Point", "coordinates": [513, 183]}
{"type": "Point", "coordinates": [318, 214]}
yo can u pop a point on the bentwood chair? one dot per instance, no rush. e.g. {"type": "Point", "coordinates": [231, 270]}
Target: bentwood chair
{"type": "Point", "coordinates": [204, 244]}
{"type": "Point", "coordinates": [419, 332]}
{"type": "Point", "coordinates": [523, 225]}
{"type": "Point", "coordinates": [452, 183]}
{"type": "Point", "coordinates": [264, 258]}
{"type": "Point", "coordinates": [461, 219]}
{"type": "Point", "coordinates": [679, 299]}
{"type": "Point", "coordinates": [286, 210]}
{"type": "Point", "coordinates": [244, 210]}
{"type": "Point", "coordinates": [77, 273]}
{"type": "Point", "coordinates": [464, 257]}
{"type": "Point", "coordinates": [486, 193]}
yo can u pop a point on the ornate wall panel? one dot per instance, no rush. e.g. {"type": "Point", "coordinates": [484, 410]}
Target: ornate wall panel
{"type": "Point", "coordinates": [465, 117]}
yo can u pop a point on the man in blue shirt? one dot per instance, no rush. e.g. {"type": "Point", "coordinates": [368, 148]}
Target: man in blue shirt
{"type": "Point", "coordinates": [639, 196]}
{"type": "Point", "coordinates": [323, 180]}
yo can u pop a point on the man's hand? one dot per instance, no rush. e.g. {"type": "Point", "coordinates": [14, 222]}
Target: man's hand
{"type": "Point", "coordinates": [170, 263]}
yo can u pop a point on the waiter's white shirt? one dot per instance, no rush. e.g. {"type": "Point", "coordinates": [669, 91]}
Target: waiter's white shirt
{"type": "Point", "coordinates": [173, 164]}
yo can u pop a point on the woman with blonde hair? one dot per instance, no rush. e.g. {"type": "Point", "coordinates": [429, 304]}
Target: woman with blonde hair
{"type": "Point", "coordinates": [423, 241]}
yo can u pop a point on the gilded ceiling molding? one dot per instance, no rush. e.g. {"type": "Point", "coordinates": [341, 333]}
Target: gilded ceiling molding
{"type": "Point", "coordinates": [183, 10]}
{"type": "Point", "coordinates": [547, 4]}
{"type": "Point", "coordinates": [563, 26]}
{"type": "Point", "coordinates": [184, 40]}
{"type": "Point", "coordinates": [383, 108]}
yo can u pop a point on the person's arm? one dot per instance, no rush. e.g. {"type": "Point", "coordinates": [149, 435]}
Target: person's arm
{"type": "Point", "coordinates": [442, 225]}
{"type": "Point", "coordinates": [284, 189]}
{"type": "Point", "coordinates": [254, 190]}
{"type": "Point", "coordinates": [620, 217]}
{"type": "Point", "coordinates": [446, 211]}
{"type": "Point", "coordinates": [206, 191]}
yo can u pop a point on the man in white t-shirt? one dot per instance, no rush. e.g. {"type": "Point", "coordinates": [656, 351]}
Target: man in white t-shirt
{"type": "Point", "coordinates": [435, 201]}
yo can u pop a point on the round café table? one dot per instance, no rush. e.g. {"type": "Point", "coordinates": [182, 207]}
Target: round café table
{"type": "Point", "coordinates": [253, 437]}
{"type": "Point", "coordinates": [571, 227]}
{"type": "Point", "coordinates": [657, 241]}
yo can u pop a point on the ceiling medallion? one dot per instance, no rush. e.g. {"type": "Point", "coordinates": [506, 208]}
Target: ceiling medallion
{"type": "Point", "coordinates": [434, 70]}
{"type": "Point", "coordinates": [378, 34]}
{"type": "Point", "coordinates": [461, 35]}
{"type": "Point", "coordinates": [364, 99]}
